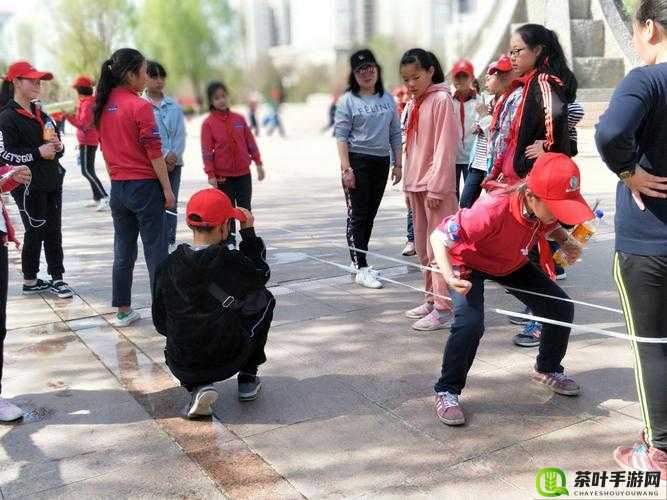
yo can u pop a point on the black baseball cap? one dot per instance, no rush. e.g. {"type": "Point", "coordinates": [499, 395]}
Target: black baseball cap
{"type": "Point", "coordinates": [361, 58]}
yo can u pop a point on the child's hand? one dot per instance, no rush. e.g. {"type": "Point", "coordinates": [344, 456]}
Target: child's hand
{"type": "Point", "coordinates": [249, 218]}
{"type": "Point", "coordinates": [535, 150]}
{"type": "Point", "coordinates": [572, 250]}
{"type": "Point", "coordinates": [213, 181]}
{"type": "Point", "coordinates": [260, 173]}
{"type": "Point", "coordinates": [459, 285]}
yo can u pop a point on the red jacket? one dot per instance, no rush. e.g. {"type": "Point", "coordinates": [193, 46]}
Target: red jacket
{"type": "Point", "coordinates": [494, 236]}
{"type": "Point", "coordinates": [86, 132]}
{"type": "Point", "coordinates": [227, 145]}
{"type": "Point", "coordinates": [129, 137]}
{"type": "Point", "coordinates": [6, 188]}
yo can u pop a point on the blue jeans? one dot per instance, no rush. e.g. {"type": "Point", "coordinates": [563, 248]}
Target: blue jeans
{"type": "Point", "coordinates": [137, 207]}
{"type": "Point", "coordinates": [472, 187]}
{"type": "Point", "coordinates": [468, 324]}
{"type": "Point", "coordinates": [171, 221]}
{"type": "Point", "coordinates": [411, 227]}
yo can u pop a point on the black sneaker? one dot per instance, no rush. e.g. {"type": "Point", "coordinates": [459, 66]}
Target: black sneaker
{"type": "Point", "coordinates": [39, 287]}
{"type": "Point", "coordinates": [201, 403]}
{"type": "Point", "coordinates": [249, 386]}
{"type": "Point", "coordinates": [61, 289]}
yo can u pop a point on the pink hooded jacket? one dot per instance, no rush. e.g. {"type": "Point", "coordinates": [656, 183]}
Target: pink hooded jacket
{"type": "Point", "coordinates": [430, 157]}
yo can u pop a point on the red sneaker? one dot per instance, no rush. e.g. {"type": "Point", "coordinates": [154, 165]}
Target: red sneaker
{"type": "Point", "coordinates": [642, 457]}
{"type": "Point", "coordinates": [560, 383]}
{"type": "Point", "coordinates": [448, 409]}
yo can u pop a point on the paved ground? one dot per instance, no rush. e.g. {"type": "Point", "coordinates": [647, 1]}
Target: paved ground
{"type": "Point", "coordinates": [346, 409]}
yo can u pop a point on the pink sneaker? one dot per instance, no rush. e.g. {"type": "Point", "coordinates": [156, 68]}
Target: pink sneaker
{"type": "Point", "coordinates": [642, 457]}
{"type": "Point", "coordinates": [560, 383]}
{"type": "Point", "coordinates": [448, 409]}
{"type": "Point", "coordinates": [420, 312]}
{"type": "Point", "coordinates": [436, 320]}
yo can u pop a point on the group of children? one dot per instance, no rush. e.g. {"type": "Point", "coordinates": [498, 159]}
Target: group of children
{"type": "Point", "coordinates": [142, 137]}
{"type": "Point", "coordinates": [519, 147]}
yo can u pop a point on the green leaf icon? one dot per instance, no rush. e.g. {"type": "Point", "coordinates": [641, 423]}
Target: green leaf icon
{"type": "Point", "coordinates": [551, 482]}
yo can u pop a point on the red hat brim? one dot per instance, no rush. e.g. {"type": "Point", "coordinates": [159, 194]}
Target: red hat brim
{"type": "Point", "coordinates": [570, 211]}
{"type": "Point", "coordinates": [36, 75]}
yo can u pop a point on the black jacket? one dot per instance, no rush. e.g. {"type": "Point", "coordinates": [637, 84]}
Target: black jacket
{"type": "Point", "coordinates": [544, 118]}
{"type": "Point", "coordinates": [206, 340]}
{"type": "Point", "coordinates": [21, 135]}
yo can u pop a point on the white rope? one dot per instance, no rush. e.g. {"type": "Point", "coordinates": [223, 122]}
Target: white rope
{"type": "Point", "coordinates": [436, 270]}
{"type": "Point", "coordinates": [531, 317]}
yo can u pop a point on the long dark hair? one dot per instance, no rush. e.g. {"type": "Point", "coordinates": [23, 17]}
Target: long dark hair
{"type": "Point", "coordinates": [113, 73]}
{"type": "Point", "coordinates": [353, 84]}
{"type": "Point", "coordinates": [212, 88]}
{"type": "Point", "coordinates": [655, 10]}
{"type": "Point", "coordinates": [552, 58]}
{"type": "Point", "coordinates": [425, 60]}
{"type": "Point", "coordinates": [6, 93]}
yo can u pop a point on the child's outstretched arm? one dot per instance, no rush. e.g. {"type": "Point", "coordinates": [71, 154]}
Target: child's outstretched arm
{"type": "Point", "coordinates": [441, 255]}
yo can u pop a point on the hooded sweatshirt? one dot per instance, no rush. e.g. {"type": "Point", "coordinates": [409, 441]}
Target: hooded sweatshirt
{"type": "Point", "coordinates": [207, 341]}
{"type": "Point", "coordinates": [431, 148]}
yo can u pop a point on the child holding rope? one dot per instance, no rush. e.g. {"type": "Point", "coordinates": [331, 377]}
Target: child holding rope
{"type": "Point", "coordinates": [492, 241]}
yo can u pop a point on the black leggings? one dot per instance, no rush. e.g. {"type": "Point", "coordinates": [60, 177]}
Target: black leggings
{"type": "Point", "coordinates": [239, 190]}
{"type": "Point", "coordinates": [642, 285]}
{"type": "Point", "coordinates": [363, 202]}
{"type": "Point", "coordinates": [42, 224]}
{"type": "Point", "coordinates": [468, 325]}
{"type": "Point", "coordinates": [87, 163]}
{"type": "Point", "coordinates": [4, 278]}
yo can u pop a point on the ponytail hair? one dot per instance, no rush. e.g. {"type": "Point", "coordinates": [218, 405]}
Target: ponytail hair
{"type": "Point", "coordinates": [552, 58]}
{"type": "Point", "coordinates": [654, 10]}
{"type": "Point", "coordinates": [425, 60]}
{"type": "Point", "coordinates": [6, 93]}
{"type": "Point", "coordinates": [113, 74]}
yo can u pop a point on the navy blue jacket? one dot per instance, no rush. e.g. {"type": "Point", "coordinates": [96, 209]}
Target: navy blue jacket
{"type": "Point", "coordinates": [633, 131]}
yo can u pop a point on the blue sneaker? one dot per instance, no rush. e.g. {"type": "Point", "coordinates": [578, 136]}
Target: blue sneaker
{"type": "Point", "coordinates": [530, 337]}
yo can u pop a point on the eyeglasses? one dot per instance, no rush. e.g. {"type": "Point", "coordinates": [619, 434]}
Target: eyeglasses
{"type": "Point", "coordinates": [369, 68]}
{"type": "Point", "coordinates": [516, 52]}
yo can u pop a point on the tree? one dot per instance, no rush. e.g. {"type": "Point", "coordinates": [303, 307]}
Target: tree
{"type": "Point", "coordinates": [191, 38]}
{"type": "Point", "coordinates": [388, 54]}
{"type": "Point", "coordinates": [88, 32]}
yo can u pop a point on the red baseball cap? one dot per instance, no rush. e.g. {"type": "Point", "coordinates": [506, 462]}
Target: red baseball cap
{"type": "Point", "coordinates": [23, 69]}
{"type": "Point", "coordinates": [556, 180]}
{"type": "Point", "coordinates": [463, 66]}
{"type": "Point", "coordinates": [502, 65]}
{"type": "Point", "coordinates": [83, 81]}
{"type": "Point", "coordinates": [211, 207]}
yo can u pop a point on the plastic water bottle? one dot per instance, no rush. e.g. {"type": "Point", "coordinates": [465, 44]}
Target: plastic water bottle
{"type": "Point", "coordinates": [582, 233]}
{"type": "Point", "coordinates": [50, 132]}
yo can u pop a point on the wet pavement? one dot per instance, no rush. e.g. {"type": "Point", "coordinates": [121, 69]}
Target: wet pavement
{"type": "Point", "coordinates": [346, 408]}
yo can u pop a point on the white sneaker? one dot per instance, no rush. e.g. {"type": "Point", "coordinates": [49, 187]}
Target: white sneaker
{"type": "Point", "coordinates": [103, 205]}
{"type": "Point", "coordinates": [172, 247]}
{"type": "Point", "coordinates": [201, 402]}
{"type": "Point", "coordinates": [92, 203]}
{"type": "Point", "coordinates": [9, 412]}
{"type": "Point", "coordinates": [561, 276]}
{"type": "Point", "coordinates": [126, 319]}
{"type": "Point", "coordinates": [409, 250]}
{"type": "Point", "coordinates": [367, 277]}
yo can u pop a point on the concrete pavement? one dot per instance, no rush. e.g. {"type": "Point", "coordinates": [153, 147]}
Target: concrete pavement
{"type": "Point", "coordinates": [347, 406]}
